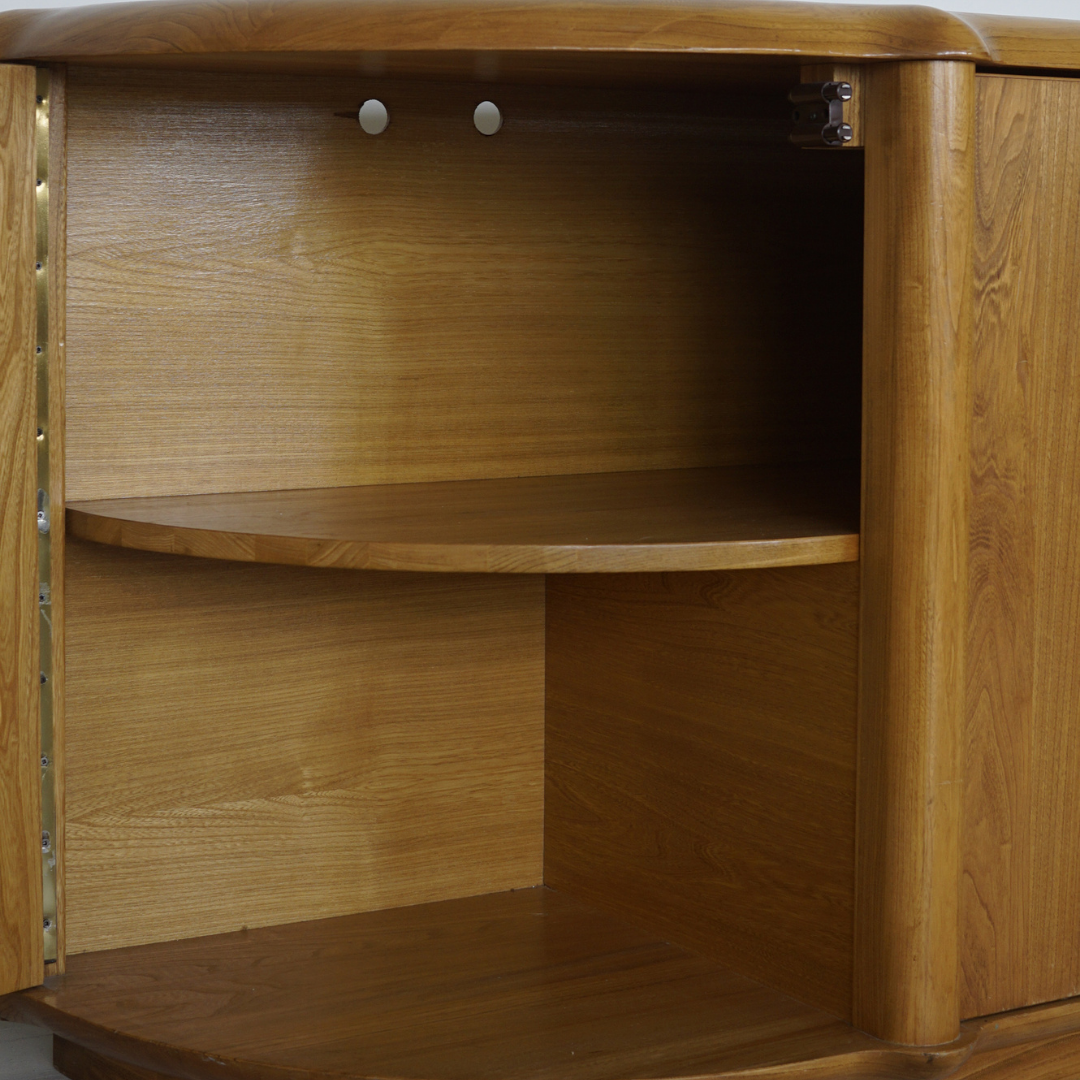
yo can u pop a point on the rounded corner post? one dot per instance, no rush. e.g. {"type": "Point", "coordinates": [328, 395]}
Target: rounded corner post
{"type": "Point", "coordinates": [918, 314]}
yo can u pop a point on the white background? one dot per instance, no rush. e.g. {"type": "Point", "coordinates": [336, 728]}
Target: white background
{"type": "Point", "coordinates": [1046, 9]}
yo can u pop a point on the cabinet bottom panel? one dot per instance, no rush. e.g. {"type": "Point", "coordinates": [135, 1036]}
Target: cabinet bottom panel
{"type": "Point", "coordinates": [521, 985]}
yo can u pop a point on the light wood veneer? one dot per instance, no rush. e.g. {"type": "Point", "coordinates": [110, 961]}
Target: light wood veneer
{"type": "Point", "coordinates": [219, 776]}
{"type": "Point", "coordinates": [623, 336]}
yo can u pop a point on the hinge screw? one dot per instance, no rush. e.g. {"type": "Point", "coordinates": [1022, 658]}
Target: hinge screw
{"type": "Point", "coordinates": [46, 841]}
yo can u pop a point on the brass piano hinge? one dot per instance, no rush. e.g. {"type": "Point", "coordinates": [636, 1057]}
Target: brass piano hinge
{"type": "Point", "coordinates": [44, 521]}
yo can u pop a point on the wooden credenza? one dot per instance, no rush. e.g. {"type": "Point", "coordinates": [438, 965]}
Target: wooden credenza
{"type": "Point", "coordinates": [596, 601]}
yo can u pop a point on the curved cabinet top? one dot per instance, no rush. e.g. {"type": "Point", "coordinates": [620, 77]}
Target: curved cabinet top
{"type": "Point", "coordinates": [233, 33]}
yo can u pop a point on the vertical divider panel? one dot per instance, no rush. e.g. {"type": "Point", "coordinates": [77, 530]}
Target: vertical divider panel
{"type": "Point", "coordinates": [21, 941]}
{"type": "Point", "coordinates": [700, 763]}
{"type": "Point", "coordinates": [919, 123]}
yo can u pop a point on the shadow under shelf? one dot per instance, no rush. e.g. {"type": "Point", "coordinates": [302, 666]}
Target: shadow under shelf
{"type": "Point", "coordinates": [662, 520]}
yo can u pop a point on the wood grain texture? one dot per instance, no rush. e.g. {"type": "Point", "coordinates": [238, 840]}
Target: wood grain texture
{"type": "Point", "coordinates": [21, 955]}
{"type": "Point", "coordinates": [57, 342]}
{"type": "Point", "coordinates": [700, 771]}
{"type": "Point", "coordinates": [918, 311]}
{"type": "Point", "coordinates": [502, 987]}
{"type": "Point", "coordinates": [270, 744]}
{"type": "Point", "coordinates": [225, 27]}
{"type": "Point", "coordinates": [685, 519]}
{"type": "Point", "coordinates": [1022, 42]}
{"type": "Point", "coordinates": [1021, 885]}
{"type": "Point", "coordinates": [612, 283]}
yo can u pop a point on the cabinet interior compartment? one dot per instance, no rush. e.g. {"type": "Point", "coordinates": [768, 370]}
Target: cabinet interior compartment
{"type": "Point", "coordinates": [634, 278]}
{"type": "Point", "coordinates": [621, 279]}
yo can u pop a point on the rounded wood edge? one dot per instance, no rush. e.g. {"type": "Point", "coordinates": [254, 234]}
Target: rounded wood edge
{"type": "Point", "coordinates": [748, 27]}
{"type": "Point", "coordinates": [1043, 1030]}
{"type": "Point", "coordinates": [1016, 41]}
{"type": "Point", "coordinates": [462, 558]}
{"type": "Point", "coordinates": [920, 122]}
{"type": "Point", "coordinates": [94, 1050]}
{"type": "Point", "coordinates": [1054, 1020]}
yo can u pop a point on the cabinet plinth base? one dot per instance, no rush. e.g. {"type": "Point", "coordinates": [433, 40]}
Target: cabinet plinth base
{"type": "Point", "coordinates": [78, 1063]}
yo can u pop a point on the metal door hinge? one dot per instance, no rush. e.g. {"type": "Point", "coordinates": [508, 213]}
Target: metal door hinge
{"type": "Point", "coordinates": [819, 114]}
{"type": "Point", "coordinates": [40, 360]}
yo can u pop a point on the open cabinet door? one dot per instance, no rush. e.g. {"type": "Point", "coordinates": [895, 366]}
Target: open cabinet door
{"type": "Point", "coordinates": [21, 936]}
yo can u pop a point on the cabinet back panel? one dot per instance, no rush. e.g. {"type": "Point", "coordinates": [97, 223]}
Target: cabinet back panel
{"type": "Point", "coordinates": [700, 770]}
{"type": "Point", "coordinates": [261, 296]}
{"type": "Point", "coordinates": [1021, 885]}
{"type": "Point", "coordinates": [220, 777]}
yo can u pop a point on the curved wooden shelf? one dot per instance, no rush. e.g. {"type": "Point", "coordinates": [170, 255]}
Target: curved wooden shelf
{"type": "Point", "coordinates": [525, 985]}
{"type": "Point", "coordinates": [309, 34]}
{"type": "Point", "coordinates": [680, 519]}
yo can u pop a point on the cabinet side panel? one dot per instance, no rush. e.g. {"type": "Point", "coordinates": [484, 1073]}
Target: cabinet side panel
{"type": "Point", "coordinates": [701, 763]}
{"type": "Point", "coordinates": [261, 296]}
{"type": "Point", "coordinates": [21, 940]}
{"type": "Point", "coordinates": [251, 745]}
{"type": "Point", "coordinates": [1021, 884]}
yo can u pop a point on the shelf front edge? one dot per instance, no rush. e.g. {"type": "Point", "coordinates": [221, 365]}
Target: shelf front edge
{"type": "Point", "coordinates": [462, 558]}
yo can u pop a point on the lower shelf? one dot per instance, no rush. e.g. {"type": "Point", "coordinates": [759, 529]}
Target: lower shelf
{"type": "Point", "coordinates": [525, 984]}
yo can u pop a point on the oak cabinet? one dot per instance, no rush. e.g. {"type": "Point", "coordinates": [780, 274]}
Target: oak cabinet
{"type": "Point", "coordinates": [594, 599]}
